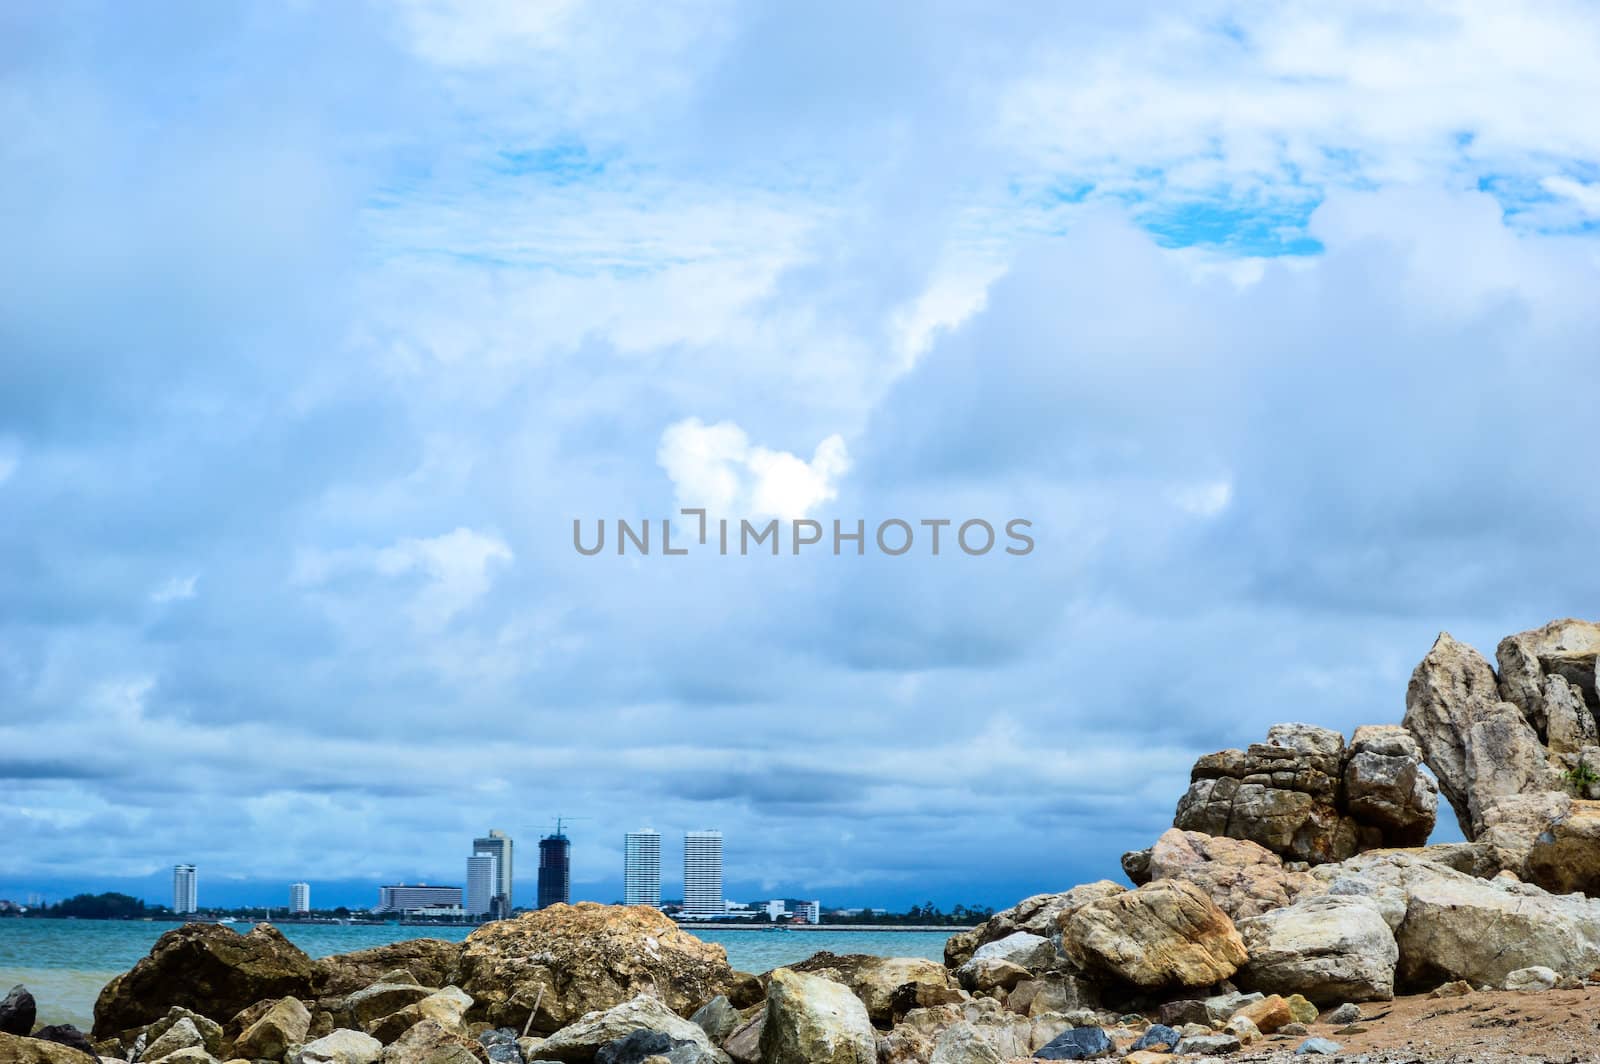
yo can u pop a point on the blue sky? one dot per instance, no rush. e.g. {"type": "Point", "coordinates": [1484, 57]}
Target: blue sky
{"type": "Point", "coordinates": [320, 325]}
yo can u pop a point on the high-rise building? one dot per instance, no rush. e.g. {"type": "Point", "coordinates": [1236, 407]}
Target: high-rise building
{"type": "Point", "coordinates": [299, 897]}
{"type": "Point", "coordinates": [702, 875]}
{"type": "Point", "coordinates": [641, 871]}
{"type": "Point", "coordinates": [402, 898]}
{"type": "Point", "coordinates": [185, 889]}
{"type": "Point", "coordinates": [811, 911]}
{"type": "Point", "coordinates": [555, 870]}
{"type": "Point", "coordinates": [498, 843]}
{"type": "Point", "coordinates": [483, 877]}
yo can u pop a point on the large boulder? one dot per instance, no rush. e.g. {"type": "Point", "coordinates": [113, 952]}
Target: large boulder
{"type": "Point", "coordinates": [580, 1041]}
{"type": "Point", "coordinates": [1291, 793]}
{"type": "Point", "coordinates": [811, 1020]}
{"type": "Point", "coordinates": [573, 959]}
{"type": "Point", "coordinates": [1168, 933]}
{"type": "Point", "coordinates": [880, 981]}
{"type": "Point", "coordinates": [1327, 948]}
{"type": "Point", "coordinates": [1456, 926]}
{"type": "Point", "coordinates": [208, 968]}
{"type": "Point", "coordinates": [429, 960]}
{"type": "Point", "coordinates": [1244, 878]}
{"type": "Point", "coordinates": [1038, 915]}
{"type": "Point", "coordinates": [1518, 754]}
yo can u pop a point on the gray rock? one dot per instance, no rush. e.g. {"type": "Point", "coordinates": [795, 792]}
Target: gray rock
{"type": "Point", "coordinates": [582, 1040]}
{"type": "Point", "coordinates": [811, 1020]}
{"type": "Point", "coordinates": [1022, 948]}
{"type": "Point", "coordinates": [1079, 1043]}
{"type": "Point", "coordinates": [1347, 1013]}
{"type": "Point", "coordinates": [1317, 1047]}
{"type": "Point", "coordinates": [1329, 948]}
{"type": "Point", "coordinates": [651, 1046]}
{"type": "Point", "coordinates": [1205, 1045]}
{"type": "Point", "coordinates": [343, 1046]}
{"type": "Point", "coordinates": [717, 1018]}
{"type": "Point", "coordinates": [1157, 1034]}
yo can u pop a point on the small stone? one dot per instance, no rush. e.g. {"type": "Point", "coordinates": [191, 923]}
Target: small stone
{"type": "Point", "coordinates": [1268, 1014]}
{"type": "Point", "coordinates": [1459, 988]}
{"type": "Point", "coordinates": [1346, 1013]}
{"type": "Point", "coordinates": [1317, 1047]}
{"type": "Point", "coordinates": [1208, 1045]}
{"type": "Point", "coordinates": [1244, 1029]}
{"type": "Point", "coordinates": [1292, 1030]}
{"type": "Point", "coordinates": [1158, 1035]}
{"type": "Point", "coordinates": [1301, 1010]}
{"type": "Point", "coordinates": [1532, 980]}
{"type": "Point", "coordinates": [1078, 1043]}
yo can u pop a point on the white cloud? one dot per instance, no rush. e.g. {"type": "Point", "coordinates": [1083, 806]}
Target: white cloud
{"type": "Point", "coordinates": [1586, 196]}
{"type": "Point", "coordinates": [716, 467]}
{"type": "Point", "coordinates": [457, 569]}
{"type": "Point", "coordinates": [175, 589]}
{"type": "Point", "coordinates": [1204, 499]}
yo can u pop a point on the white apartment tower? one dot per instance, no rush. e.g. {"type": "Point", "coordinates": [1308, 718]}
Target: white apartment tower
{"type": "Point", "coordinates": [642, 868]}
{"type": "Point", "coordinates": [299, 897]}
{"type": "Point", "coordinates": [702, 875]}
{"type": "Point", "coordinates": [483, 880]}
{"type": "Point", "coordinates": [185, 889]}
{"type": "Point", "coordinates": [498, 843]}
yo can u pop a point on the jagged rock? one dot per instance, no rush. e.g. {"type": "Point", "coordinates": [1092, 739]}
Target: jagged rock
{"type": "Point", "coordinates": [1166, 933]}
{"type": "Point", "coordinates": [1244, 878]}
{"type": "Point", "coordinates": [207, 968]}
{"type": "Point", "coordinates": [1328, 948]}
{"type": "Point", "coordinates": [1079, 1043]}
{"type": "Point", "coordinates": [210, 1032]}
{"type": "Point", "coordinates": [1158, 1036]}
{"type": "Point", "coordinates": [17, 1049]}
{"type": "Point", "coordinates": [585, 957]}
{"type": "Point", "coordinates": [18, 1012]}
{"type": "Point", "coordinates": [877, 980]}
{"type": "Point", "coordinates": [1207, 1011]}
{"type": "Point", "coordinates": [391, 993]}
{"type": "Point", "coordinates": [446, 1007]}
{"type": "Point", "coordinates": [963, 1043]}
{"type": "Point", "coordinates": [286, 1022]}
{"type": "Point", "coordinates": [1384, 785]}
{"type": "Point", "coordinates": [1243, 1028]}
{"type": "Point", "coordinates": [1034, 952]}
{"type": "Point", "coordinates": [1051, 992]}
{"type": "Point", "coordinates": [1458, 927]}
{"type": "Point", "coordinates": [811, 1020]}
{"type": "Point", "coordinates": [983, 974]}
{"type": "Point", "coordinates": [179, 1035]}
{"type": "Point", "coordinates": [1293, 794]}
{"type": "Point", "coordinates": [429, 961]}
{"type": "Point", "coordinates": [1564, 854]}
{"type": "Point", "coordinates": [1136, 866]}
{"type": "Point", "coordinates": [1479, 746]}
{"type": "Point", "coordinates": [428, 1043]}
{"type": "Point", "coordinates": [717, 1018]}
{"type": "Point", "coordinates": [342, 1046]}
{"type": "Point", "coordinates": [1566, 650]}
{"type": "Point", "coordinates": [1038, 915]}
{"type": "Point", "coordinates": [743, 1046]}
{"type": "Point", "coordinates": [580, 1041]}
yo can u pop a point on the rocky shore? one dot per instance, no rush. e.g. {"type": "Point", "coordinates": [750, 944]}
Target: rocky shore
{"type": "Point", "coordinates": [1293, 911]}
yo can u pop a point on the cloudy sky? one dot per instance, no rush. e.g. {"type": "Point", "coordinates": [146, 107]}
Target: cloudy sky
{"type": "Point", "coordinates": [320, 325]}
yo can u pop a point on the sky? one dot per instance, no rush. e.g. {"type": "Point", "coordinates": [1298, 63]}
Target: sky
{"type": "Point", "coordinates": [320, 325]}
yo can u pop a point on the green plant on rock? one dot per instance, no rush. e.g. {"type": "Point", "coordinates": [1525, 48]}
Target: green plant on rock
{"type": "Point", "coordinates": [1581, 777]}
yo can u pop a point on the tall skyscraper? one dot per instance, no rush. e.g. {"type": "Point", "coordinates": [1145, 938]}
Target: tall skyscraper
{"type": "Point", "coordinates": [483, 878]}
{"type": "Point", "coordinates": [641, 870]}
{"type": "Point", "coordinates": [185, 889]}
{"type": "Point", "coordinates": [299, 897]}
{"type": "Point", "coordinates": [555, 870]}
{"type": "Point", "coordinates": [702, 875]}
{"type": "Point", "coordinates": [498, 843]}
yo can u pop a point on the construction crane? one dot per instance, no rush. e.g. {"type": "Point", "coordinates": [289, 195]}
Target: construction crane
{"type": "Point", "coordinates": [566, 820]}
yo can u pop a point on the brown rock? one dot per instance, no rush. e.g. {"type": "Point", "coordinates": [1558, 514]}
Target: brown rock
{"type": "Point", "coordinates": [574, 959]}
{"type": "Point", "coordinates": [1244, 879]}
{"type": "Point", "coordinates": [17, 1049]}
{"type": "Point", "coordinates": [1038, 915]}
{"type": "Point", "coordinates": [429, 960]}
{"type": "Point", "coordinates": [1268, 1014]}
{"type": "Point", "coordinates": [207, 968]}
{"type": "Point", "coordinates": [1168, 933]}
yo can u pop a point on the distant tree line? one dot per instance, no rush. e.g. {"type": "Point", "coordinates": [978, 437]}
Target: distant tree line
{"type": "Point", "coordinates": [926, 913]}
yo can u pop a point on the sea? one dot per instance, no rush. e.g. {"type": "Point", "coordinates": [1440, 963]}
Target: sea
{"type": "Point", "coordinates": [64, 963]}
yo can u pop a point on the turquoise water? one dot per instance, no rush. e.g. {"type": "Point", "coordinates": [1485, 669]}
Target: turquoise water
{"type": "Point", "coordinates": [66, 962]}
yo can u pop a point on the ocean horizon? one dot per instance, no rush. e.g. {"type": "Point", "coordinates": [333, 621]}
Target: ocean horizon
{"type": "Point", "coordinates": [66, 963]}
